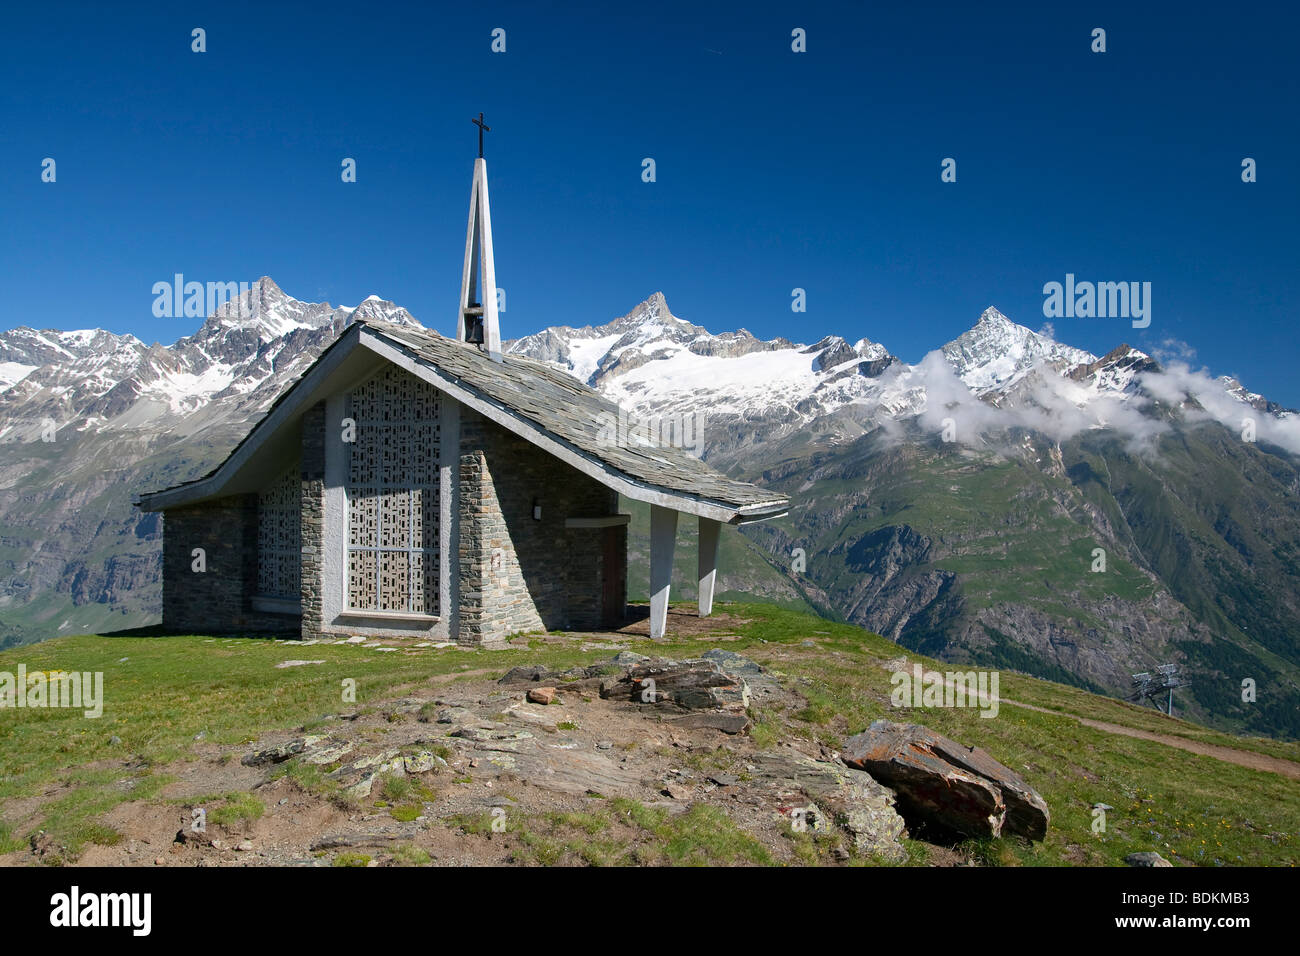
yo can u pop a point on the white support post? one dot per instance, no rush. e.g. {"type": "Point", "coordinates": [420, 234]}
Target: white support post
{"type": "Point", "coordinates": [708, 562]}
{"type": "Point", "coordinates": [663, 536]}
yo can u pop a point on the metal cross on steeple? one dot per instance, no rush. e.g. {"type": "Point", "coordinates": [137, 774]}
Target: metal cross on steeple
{"type": "Point", "coordinates": [482, 128]}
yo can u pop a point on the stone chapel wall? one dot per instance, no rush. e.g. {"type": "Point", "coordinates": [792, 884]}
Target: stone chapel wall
{"type": "Point", "coordinates": [312, 520]}
{"type": "Point", "coordinates": [517, 573]}
{"type": "Point", "coordinates": [218, 599]}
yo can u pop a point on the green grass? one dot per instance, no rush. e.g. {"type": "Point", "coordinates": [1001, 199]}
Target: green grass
{"type": "Point", "coordinates": [408, 854]}
{"type": "Point", "coordinates": [473, 824]}
{"type": "Point", "coordinates": [309, 777]}
{"type": "Point", "coordinates": [226, 809]}
{"type": "Point", "coordinates": [703, 835]}
{"type": "Point", "coordinates": [622, 832]}
{"type": "Point", "coordinates": [1193, 808]}
{"type": "Point", "coordinates": [167, 691]}
{"type": "Point", "coordinates": [1190, 808]}
{"type": "Point", "coordinates": [404, 789]}
{"type": "Point", "coordinates": [8, 843]}
{"type": "Point", "coordinates": [404, 797]}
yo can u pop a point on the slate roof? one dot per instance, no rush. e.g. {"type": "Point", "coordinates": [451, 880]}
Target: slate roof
{"type": "Point", "coordinates": [566, 409]}
{"type": "Point", "coordinates": [574, 413]}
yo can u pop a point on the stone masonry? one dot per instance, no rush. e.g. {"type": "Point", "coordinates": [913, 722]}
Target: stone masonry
{"type": "Point", "coordinates": [518, 573]}
{"type": "Point", "coordinates": [218, 599]}
{"type": "Point", "coordinates": [312, 469]}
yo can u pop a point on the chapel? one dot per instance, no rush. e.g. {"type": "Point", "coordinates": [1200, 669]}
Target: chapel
{"type": "Point", "coordinates": [409, 484]}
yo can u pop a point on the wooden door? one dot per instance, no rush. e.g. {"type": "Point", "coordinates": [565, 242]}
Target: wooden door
{"type": "Point", "coordinates": [612, 592]}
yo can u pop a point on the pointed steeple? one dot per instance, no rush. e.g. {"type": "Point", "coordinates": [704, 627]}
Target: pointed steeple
{"type": "Point", "coordinates": [477, 319]}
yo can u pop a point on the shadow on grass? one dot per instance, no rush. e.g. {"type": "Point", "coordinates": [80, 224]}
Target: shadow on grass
{"type": "Point", "coordinates": [159, 630]}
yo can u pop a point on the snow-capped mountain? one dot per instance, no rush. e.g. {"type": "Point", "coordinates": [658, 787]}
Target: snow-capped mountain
{"type": "Point", "coordinates": [654, 362]}
{"type": "Point", "coordinates": [104, 358]}
{"type": "Point", "coordinates": [648, 360]}
{"type": "Point", "coordinates": [997, 353]}
{"type": "Point", "coordinates": [92, 379]}
{"type": "Point", "coordinates": [1001, 373]}
{"type": "Point", "coordinates": [649, 333]}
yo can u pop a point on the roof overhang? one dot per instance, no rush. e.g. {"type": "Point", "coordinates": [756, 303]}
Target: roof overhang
{"type": "Point", "coordinates": [338, 366]}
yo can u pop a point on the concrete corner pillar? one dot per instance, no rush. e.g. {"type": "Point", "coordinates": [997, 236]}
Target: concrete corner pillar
{"type": "Point", "coordinates": [708, 562]}
{"type": "Point", "coordinates": [663, 536]}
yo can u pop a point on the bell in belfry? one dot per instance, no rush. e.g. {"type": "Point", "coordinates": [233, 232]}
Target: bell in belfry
{"type": "Point", "coordinates": [474, 324]}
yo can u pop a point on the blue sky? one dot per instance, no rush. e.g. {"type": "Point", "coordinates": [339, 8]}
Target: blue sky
{"type": "Point", "coordinates": [775, 170]}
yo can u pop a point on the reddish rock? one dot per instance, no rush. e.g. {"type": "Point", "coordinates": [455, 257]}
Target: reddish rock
{"type": "Point", "coordinates": [939, 781]}
{"type": "Point", "coordinates": [542, 695]}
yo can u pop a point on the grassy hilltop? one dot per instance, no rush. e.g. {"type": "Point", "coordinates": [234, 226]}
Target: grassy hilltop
{"type": "Point", "coordinates": [173, 701]}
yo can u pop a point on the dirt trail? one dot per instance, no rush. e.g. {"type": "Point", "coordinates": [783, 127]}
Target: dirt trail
{"type": "Point", "coordinates": [1244, 758]}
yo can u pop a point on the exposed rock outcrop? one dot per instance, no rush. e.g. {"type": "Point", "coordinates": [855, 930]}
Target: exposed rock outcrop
{"type": "Point", "coordinates": [846, 797]}
{"type": "Point", "coordinates": [688, 685]}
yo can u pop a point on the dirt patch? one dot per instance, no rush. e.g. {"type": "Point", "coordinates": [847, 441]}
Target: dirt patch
{"type": "Point", "coordinates": [682, 623]}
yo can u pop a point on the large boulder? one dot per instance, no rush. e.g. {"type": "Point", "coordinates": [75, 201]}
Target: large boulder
{"type": "Point", "coordinates": [942, 783]}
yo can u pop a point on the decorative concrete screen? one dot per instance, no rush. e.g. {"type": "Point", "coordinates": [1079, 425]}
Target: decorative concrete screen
{"type": "Point", "coordinates": [279, 546]}
{"type": "Point", "coordinates": [392, 495]}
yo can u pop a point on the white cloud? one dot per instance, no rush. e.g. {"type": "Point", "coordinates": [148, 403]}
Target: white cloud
{"type": "Point", "coordinates": [1045, 402]}
{"type": "Point", "coordinates": [1060, 408]}
{"type": "Point", "coordinates": [1172, 350]}
{"type": "Point", "coordinates": [1179, 382]}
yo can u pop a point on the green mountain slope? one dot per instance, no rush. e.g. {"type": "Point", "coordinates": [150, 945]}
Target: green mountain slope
{"type": "Point", "coordinates": [991, 556]}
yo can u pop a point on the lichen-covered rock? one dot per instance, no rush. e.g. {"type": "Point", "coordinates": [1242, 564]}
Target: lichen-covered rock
{"type": "Point", "coordinates": [422, 762]}
{"type": "Point", "coordinates": [849, 798]}
{"type": "Point", "coordinates": [733, 663]}
{"type": "Point", "coordinates": [328, 752]}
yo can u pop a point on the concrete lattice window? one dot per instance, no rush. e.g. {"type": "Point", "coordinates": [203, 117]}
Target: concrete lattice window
{"type": "Point", "coordinates": [279, 544]}
{"type": "Point", "coordinates": [393, 496]}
